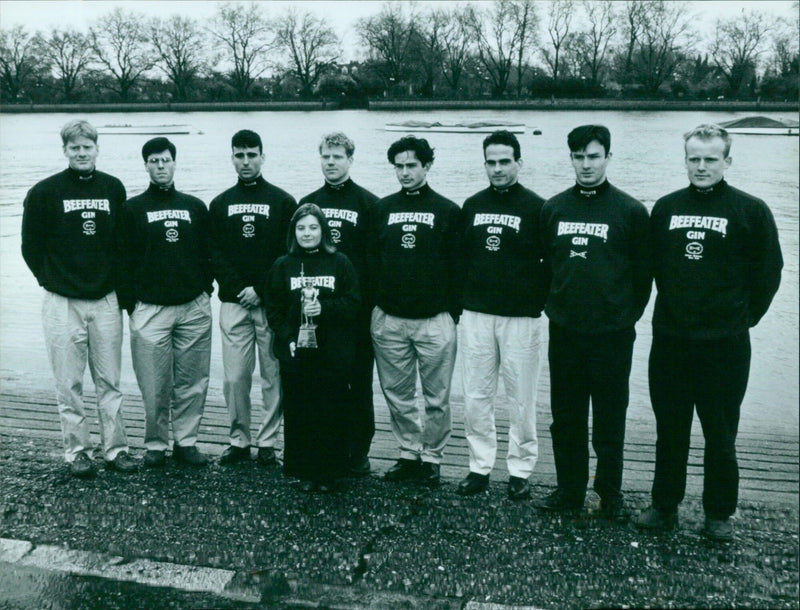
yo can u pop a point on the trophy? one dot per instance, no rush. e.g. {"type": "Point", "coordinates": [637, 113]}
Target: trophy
{"type": "Point", "coordinates": [307, 337]}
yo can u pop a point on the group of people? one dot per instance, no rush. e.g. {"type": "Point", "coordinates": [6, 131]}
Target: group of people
{"type": "Point", "coordinates": [322, 290]}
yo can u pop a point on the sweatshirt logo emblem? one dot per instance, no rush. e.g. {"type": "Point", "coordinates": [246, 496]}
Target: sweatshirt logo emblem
{"type": "Point", "coordinates": [89, 227]}
{"type": "Point", "coordinates": [336, 235]}
{"type": "Point", "coordinates": [172, 235]}
{"type": "Point", "coordinates": [493, 243]}
{"type": "Point", "coordinates": [694, 251]}
{"type": "Point", "coordinates": [572, 254]}
{"type": "Point", "coordinates": [248, 230]}
{"type": "Point", "coordinates": [409, 240]}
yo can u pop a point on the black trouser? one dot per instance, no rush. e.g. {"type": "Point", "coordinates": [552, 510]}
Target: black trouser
{"type": "Point", "coordinates": [584, 366]}
{"type": "Point", "coordinates": [361, 424]}
{"type": "Point", "coordinates": [710, 375]}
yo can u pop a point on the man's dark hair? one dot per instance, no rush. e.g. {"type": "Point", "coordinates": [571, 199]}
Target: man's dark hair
{"type": "Point", "coordinates": [419, 146]}
{"type": "Point", "coordinates": [157, 145]}
{"type": "Point", "coordinates": [309, 209]}
{"type": "Point", "coordinates": [504, 137]}
{"type": "Point", "coordinates": [245, 138]}
{"type": "Point", "coordinates": [580, 137]}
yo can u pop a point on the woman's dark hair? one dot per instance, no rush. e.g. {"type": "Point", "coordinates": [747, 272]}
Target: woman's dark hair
{"type": "Point", "coordinates": [309, 209]}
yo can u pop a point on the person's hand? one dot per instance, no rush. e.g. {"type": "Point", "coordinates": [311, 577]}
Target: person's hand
{"type": "Point", "coordinates": [292, 347]}
{"type": "Point", "coordinates": [312, 308]}
{"type": "Point", "coordinates": [249, 298]}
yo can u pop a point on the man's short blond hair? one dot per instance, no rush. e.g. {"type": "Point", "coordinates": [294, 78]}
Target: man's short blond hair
{"type": "Point", "coordinates": [337, 138]}
{"type": "Point", "coordinates": [78, 129]}
{"type": "Point", "coordinates": [709, 131]}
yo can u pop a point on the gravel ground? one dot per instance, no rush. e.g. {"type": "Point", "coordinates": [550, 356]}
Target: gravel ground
{"type": "Point", "coordinates": [376, 538]}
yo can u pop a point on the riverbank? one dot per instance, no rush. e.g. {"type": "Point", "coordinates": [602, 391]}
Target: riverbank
{"type": "Point", "coordinates": [415, 105]}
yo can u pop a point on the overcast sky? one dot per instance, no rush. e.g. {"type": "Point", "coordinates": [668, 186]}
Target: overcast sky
{"type": "Point", "coordinates": [45, 15]}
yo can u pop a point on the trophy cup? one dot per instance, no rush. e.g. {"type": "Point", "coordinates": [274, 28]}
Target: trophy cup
{"type": "Point", "coordinates": [307, 337]}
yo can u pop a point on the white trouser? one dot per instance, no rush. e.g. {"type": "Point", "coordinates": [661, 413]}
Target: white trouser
{"type": "Point", "coordinates": [77, 330]}
{"type": "Point", "coordinates": [242, 331]}
{"type": "Point", "coordinates": [403, 345]}
{"type": "Point", "coordinates": [492, 345]}
{"type": "Point", "coordinates": [171, 349]}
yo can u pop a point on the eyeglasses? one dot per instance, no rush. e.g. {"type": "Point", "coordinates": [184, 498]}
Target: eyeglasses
{"type": "Point", "coordinates": [157, 160]}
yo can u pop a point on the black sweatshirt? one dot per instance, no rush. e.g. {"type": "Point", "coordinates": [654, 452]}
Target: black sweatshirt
{"type": "Point", "coordinates": [503, 273]}
{"type": "Point", "coordinates": [595, 246]}
{"type": "Point", "coordinates": [249, 225]}
{"type": "Point", "coordinates": [166, 250]}
{"type": "Point", "coordinates": [335, 278]}
{"type": "Point", "coordinates": [716, 261]}
{"type": "Point", "coordinates": [70, 233]}
{"type": "Point", "coordinates": [413, 254]}
{"type": "Point", "coordinates": [346, 207]}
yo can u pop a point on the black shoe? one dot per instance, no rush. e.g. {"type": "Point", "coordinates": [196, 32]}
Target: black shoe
{"type": "Point", "coordinates": [559, 500]}
{"type": "Point", "coordinates": [154, 458]}
{"type": "Point", "coordinates": [720, 530]}
{"type": "Point", "coordinates": [613, 510]}
{"type": "Point", "coordinates": [360, 467]}
{"type": "Point", "coordinates": [403, 470]}
{"type": "Point", "coordinates": [266, 456]}
{"type": "Point", "coordinates": [653, 518]}
{"type": "Point", "coordinates": [190, 456]}
{"type": "Point", "coordinates": [123, 462]}
{"type": "Point", "coordinates": [429, 474]}
{"type": "Point", "coordinates": [234, 455]}
{"type": "Point", "coordinates": [474, 483]}
{"type": "Point", "coordinates": [82, 467]}
{"type": "Point", "coordinates": [325, 487]}
{"type": "Point", "coordinates": [518, 489]}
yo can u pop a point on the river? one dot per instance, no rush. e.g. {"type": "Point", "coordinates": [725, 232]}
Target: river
{"type": "Point", "coordinates": [647, 163]}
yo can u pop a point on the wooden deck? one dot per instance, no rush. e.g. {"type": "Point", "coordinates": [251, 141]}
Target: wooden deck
{"type": "Point", "coordinates": [768, 459]}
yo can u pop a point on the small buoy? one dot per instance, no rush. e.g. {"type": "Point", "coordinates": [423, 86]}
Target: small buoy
{"type": "Point", "coordinates": [537, 131]}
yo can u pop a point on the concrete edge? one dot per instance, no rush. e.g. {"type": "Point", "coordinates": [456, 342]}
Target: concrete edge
{"type": "Point", "coordinates": [240, 586]}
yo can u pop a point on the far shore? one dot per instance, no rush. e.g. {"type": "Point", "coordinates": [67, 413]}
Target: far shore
{"type": "Point", "coordinates": [416, 105]}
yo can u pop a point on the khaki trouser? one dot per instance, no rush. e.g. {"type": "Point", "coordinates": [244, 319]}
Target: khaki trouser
{"type": "Point", "coordinates": [403, 346]}
{"type": "Point", "coordinates": [243, 330]}
{"type": "Point", "coordinates": [491, 346]}
{"type": "Point", "coordinates": [77, 331]}
{"type": "Point", "coordinates": [171, 349]}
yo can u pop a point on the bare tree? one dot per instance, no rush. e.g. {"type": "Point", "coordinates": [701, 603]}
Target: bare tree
{"type": "Point", "coordinates": [527, 21]}
{"type": "Point", "coordinates": [633, 21]}
{"type": "Point", "coordinates": [559, 20]}
{"type": "Point", "coordinates": [661, 43]}
{"type": "Point", "coordinates": [593, 43]}
{"type": "Point", "coordinates": [389, 38]}
{"type": "Point", "coordinates": [311, 45]}
{"type": "Point", "coordinates": [180, 45]}
{"type": "Point", "coordinates": [785, 46]}
{"type": "Point", "coordinates": [430, 41]}
{"type": "Point", "coordinates": [70, 54]}
{"type": "Point", "coordinates": [120, 44]}
{"type": "Point", "coordinates": [19, 60]}
{"type": "Point", "coordinates": [738, 44]}
{"type": "Point", "coordinates": [247, 41]}
{"type": "Point", "coordinates": [456, 42]}
{"type": "Point", "coordinates": [498, 34]}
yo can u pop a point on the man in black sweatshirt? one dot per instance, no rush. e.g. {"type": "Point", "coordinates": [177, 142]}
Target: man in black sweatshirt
{"type": "Point", "coordinates": [345, 205]}
{"type": "Point", "coordinates": [501, 330]}
{"type": "Point", "coordinates": [594, 238]}
{"type": "Point", "coordinates": [70, 241]}
{"type": "Point", "coordinates": [413, 271]}
{"type": "Point", "coordinates": [168, 283]}
{"type": "Point", "coordinates": [717, 265]}
{"type": "Point", "coordinates": [249, 223]}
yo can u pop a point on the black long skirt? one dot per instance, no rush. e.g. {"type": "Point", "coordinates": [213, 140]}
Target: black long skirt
{"type": "Point", "coordinates": [314, 425]}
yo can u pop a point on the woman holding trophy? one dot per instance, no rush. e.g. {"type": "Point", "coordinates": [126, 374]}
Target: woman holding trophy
{"type": "Point", "coordinates": [311, 298]}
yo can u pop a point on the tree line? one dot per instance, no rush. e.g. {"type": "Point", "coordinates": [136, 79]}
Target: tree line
{"type": "Point", "coordinates": [514, 49]}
